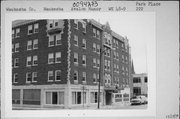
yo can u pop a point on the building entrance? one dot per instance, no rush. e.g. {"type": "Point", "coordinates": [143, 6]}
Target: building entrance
{"type": "Point", "coordinates": [108, 98]}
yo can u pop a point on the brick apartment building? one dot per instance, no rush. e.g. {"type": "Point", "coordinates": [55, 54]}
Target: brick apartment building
{"type": "Point", "coordinates": [56, 63]}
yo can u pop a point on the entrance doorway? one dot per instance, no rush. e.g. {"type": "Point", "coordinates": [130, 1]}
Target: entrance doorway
{"type": "Point", "coordinates": [108, 98]}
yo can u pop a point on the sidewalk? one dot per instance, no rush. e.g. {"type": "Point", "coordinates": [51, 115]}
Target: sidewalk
{"type": "Point", "coordinates": [73, 108]}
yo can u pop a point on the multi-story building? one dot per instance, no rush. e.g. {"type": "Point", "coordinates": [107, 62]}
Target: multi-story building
{"type": "Point", "coordinates": [140, 84]}
{"type": "Point", "coordinates": [57, 62]}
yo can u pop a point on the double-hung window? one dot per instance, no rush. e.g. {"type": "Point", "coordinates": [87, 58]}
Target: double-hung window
{"type": "Point", "coordinates": [30, 29]}
{"type": "Point", "coordinates": [84, 60]}
{"type": "Point", "coordinates": [35, 44]}
{"type": "Point", "coordinates": [35, 60]}
{"type": "Point", "coordinates": [76, 58]}
{"type": "Point", "coordinates": [16, 62]}
{"type": "Point", "coordinates": [36, 27]}
{"type": "Point", "coordinates": [75, 40]}
{"type": "Point", "coordinates": [34, 77]}
{"type": "Point", "coordinates": [29, 45]}
{"type": "Point", "coordinates": [84, 77]}
{"type": "Point", "coordinates": [76, 76]}
{"type": "Point", "coordinates": [84, 44]}
{"type": "Point", "coordinates": [58, 57]}
{"type": "Point", "coordinates": [50, 58]}
{"type": "Point", "coordinates": [17, 32]}
{"type": "Point", "coordinates": [15, 78]}
{"type": "Point", "coordinates": [28, 61]}
{"type": "Point", "coordinates": [28, 77]}
{"type": "Point", "coordinates": [17, 47]}
{"type": "Point", "coordinates": [84, 26]}
{"type": "Point", "coordinates": [50, 76]}
{"type": "Point", "coordinates": [57, 75]}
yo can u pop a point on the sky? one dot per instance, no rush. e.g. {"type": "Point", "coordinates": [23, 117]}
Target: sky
{"type": "Point", "coordinates": [139, 28]}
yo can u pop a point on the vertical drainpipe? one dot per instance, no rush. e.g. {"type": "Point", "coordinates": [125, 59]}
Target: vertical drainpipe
{"type": "Point", "coordinates": [68, 88]}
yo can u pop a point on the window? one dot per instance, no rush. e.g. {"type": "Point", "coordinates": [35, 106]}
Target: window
{"type": "Point", "coordinates": [36, 27]}
{"type": "Point", "coordinates": [75, 23]}
{"type": "Point", "coordinates": [98, 63]}
{"type": "Point", "coordinates": [28, 61]}
{"type": "Point", "coordinates": [84, 26]}
{"type": "Point", "coordinates": [84, 76]}
{"type": "Point", "coordinates": [29, 45]}
{"type": "Point", "coordinates": [75, 40]}
{"type": "Point", "coordinates": [12, 48]}
{"type": "Point", "coordinates": [94, 47]}
{"type": "Point", "coordinates": [136, 80]}
{"type": "Point", "coordinates": [94, 78]}
{"type": "Point", "coordinates": [58, 57]}
{"type": "Point", "coordinates": [17, 32]}
{"type": "Point", "coordinates": [98, 34]}
{"type": "Point", "coordinates": [145, 79]}
{"type": "Point", "coordinates": [122, 58]}
{"type": "Point", "coordinates": [97, 78]}
{"type": "Point", "coordinates": [50, 76]}
{"type": "Point", "coordinates": [16, 62]}
{"type": "Point", "coordinates": [94, 62]}
{"type": "Point", "coordinates": [50, 23]}
{"type": "Point", "coordinates": [55, 98]}
{"type": "Point", "coordinates": [51, 40]}
{"type": "Point", "coordinates": [84, 60]}
{"type": "Point", "coordinates": [117, 44]}
{"type": "Point", "coordinates": [30, 30]}
{"type": "Point", "coordinates": [76, 58]}
{"type": "Point", "coordinates": [35, 60]}
{"type": "Point", "coordinates": [117, 68]}
{"type": "Point", "coordinates": [28, 77]}
{"type": "Point", "coordinates": [35, 44]}
{"type": "Point", "coordinates": [58, 39]}
{"type": "Point", "coordinates": [108, 65]}
{"type": "Point", "coordinates": [34, 77]}
{"type": "Point", "coordinates": [75, 75]}
{"type": "Point", "coordinates": [15, 80]}
{"type": "Point", "coordinates": [114, 54]}
{"type": "Point", "coordinates": [58, 75]}
{"type": "Point", "coordinates": [13, 35]}
{"type": "Point", "coordinates": [84, 43]}
{"type": "Point", "coordinates": [117, 56]}
{"type": "Point", "coordinates": [17, 47]}
{"type": "Point", "coordinates": [105, 64]}
{"type": "Point", "coordinates": [94, 97]}
{"type": "Point", "coordinates": [108, 52]}
{"type": "Point", "coordinates": [98, 48]}
{"type": "Point", "coordinates": [50, 58]}
{"type": "Point", "coordinates": [76, 98]}
{"type": "Point", "coordinates": [56, 23]}
{"type": "Point", "coordinates": [94, 32]}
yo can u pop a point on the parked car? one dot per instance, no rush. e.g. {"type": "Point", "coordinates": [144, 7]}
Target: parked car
{"type": "Point", "coordinates": [141, 99]}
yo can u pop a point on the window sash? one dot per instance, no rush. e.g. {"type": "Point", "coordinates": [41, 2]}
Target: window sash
{"type": "Point", "coordinates": [35, 59]}
{"type": "Point", "coordinates": [34, 77]}
{"type": "Point", "coordinates": [35, 44]}
{"type": "Point", "coordinates": [30, 30]}
{"type": "Point", "coordinates": [29, 45]}
{"type": "Point", "coordinates": [17, 47]}
{"type": "Point", "coordinates": [50, 75]}
{"type": "Point", "coordinates": [50, 58]}
{"type": "Point", "coordinates": [36, 27]}
{"type": "Point", "coordinates": [28, 61]}
{"type": "Point", "coordinates": [58, 75]}
{"type": "Point", "coordinates": [58, 57]}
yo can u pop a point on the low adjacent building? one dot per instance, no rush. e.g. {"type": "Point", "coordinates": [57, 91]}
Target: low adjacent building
{"type": "Point", "coordinates": [140, 84]}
